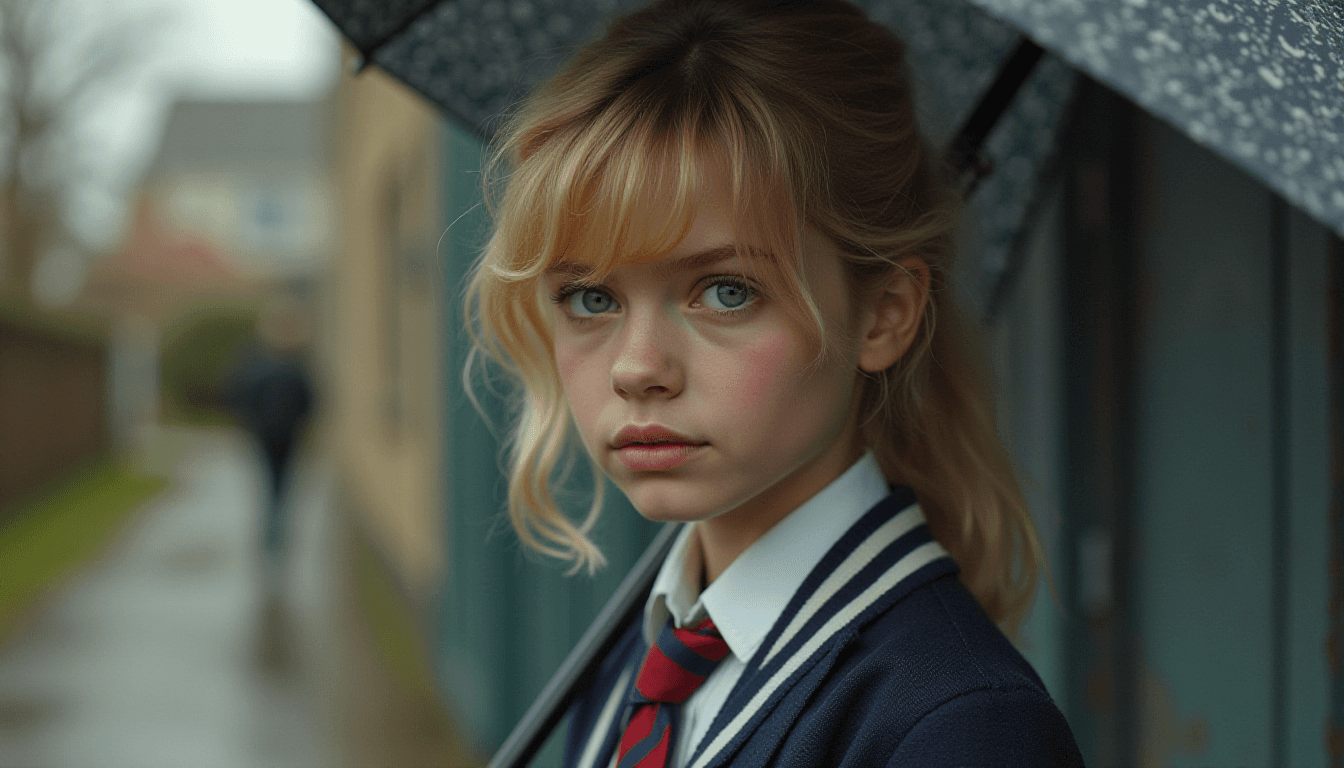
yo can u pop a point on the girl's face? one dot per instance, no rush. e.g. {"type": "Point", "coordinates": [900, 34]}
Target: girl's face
{"type": "Point", "coordinates": [689, 344]}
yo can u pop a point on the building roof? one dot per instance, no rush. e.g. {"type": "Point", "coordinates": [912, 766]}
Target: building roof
{"type": "Point", "coordinates": [253, 137]}
{"type": "Point", "coordinates": [157, 268]}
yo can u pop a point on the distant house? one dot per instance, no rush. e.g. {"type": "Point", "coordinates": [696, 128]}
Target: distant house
{"type": "Point", "coordinates": [156, 271]}
{"type": "Point", "coordinates": [254, 178]}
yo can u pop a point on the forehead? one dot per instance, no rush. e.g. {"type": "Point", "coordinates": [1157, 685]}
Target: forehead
{"type": "Point", "coordinates": [674, 223]}
{"type": "Point", "coordinates": [677, 204]}
{"type": "Point", "coordinates": [670, 264]}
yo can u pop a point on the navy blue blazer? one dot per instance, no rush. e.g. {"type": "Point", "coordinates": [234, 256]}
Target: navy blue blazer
{"type": "Point", "coordinates": [882, 658]}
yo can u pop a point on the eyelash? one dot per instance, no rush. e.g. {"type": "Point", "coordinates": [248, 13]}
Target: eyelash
{"type": "Point", "coordinates": [569, 289]}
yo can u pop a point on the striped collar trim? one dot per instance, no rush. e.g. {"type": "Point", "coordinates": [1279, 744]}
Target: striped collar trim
{"type": "Point", "coordinates": [599, 744]}
{"type": "Point", "coordinates": [863, 574]}
{"type": "Point", "coordinates": [883, 556]}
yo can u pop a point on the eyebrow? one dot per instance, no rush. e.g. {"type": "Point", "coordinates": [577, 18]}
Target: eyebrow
{"type": "Point", "coordinates": [663, 270]}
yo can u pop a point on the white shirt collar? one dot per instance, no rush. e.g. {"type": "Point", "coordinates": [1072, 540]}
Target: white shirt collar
{"type": "Point", "coordinates": [747, 598]}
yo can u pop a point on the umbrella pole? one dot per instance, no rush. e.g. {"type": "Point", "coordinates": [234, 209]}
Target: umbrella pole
{"type": "Point", "coordinates": [579, 668]}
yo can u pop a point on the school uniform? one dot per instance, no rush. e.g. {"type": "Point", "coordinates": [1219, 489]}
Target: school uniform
{"type": "Point", "coordinates": [851, 643]}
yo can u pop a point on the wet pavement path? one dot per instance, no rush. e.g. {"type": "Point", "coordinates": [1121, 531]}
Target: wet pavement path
{"type": "Point", "coordinates": [171, 651]}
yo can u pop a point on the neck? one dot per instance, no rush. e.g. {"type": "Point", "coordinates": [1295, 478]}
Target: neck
{"type": "Point", "coordinates": [725, 537]}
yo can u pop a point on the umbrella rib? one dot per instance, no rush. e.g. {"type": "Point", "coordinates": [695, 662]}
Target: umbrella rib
{"type": "Point", "coordinates": [965, 146]}
{"type": "Point", "coordinates": [367, 52]}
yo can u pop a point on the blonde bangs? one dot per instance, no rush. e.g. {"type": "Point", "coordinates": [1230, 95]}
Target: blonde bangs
{"type": "Point", "coordinates": [578, 192]}
{"type": "Point", "coordinates": [621, 188]}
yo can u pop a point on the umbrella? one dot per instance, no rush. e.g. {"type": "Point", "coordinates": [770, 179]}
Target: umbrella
{"type": "Point", "coordinates": [1261, 85]}
{"type": "Point", "coordinates": [474, 59]}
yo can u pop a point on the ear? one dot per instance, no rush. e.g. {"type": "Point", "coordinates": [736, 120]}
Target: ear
{"type": "Point", "coordinates": [892, 320]}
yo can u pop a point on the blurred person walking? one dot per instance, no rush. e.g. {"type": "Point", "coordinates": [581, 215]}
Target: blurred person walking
{"type": "Point", "coordinates": [270, 391]}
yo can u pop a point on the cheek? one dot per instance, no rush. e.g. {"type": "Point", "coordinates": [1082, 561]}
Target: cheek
{"type": "Point", "coordinates": [773, 393]}
{"type": "Point", "coordinates": [569, 365]}
{"type": "Point", "coordinates": [577, 364]}
{"type": "Point", "coordinates": [581, 380]}
{"type": "Point", "coordinates": [760, 373]}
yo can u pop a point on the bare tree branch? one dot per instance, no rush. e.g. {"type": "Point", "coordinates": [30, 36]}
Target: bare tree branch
{"type": "Point", "coordinates": [55, 71]}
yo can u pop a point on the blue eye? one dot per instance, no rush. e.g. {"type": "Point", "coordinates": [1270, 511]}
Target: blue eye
{"type": "Point", "coordinates": [728, 296]}
{"type": "Point", "coordinates": [587, 302]}
{"type": "Point", "coordinates": [723, 295]}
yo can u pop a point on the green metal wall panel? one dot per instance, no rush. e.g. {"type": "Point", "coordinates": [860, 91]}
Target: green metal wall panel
{"type": "Point", "coordinates": [475, 638]}
{"type": "Point", "coordinates": [1205, 464]}
{"type": "Point", "coordinates": [507, 617]}
{"type": "Point", "coordinates": [1194, 558]}
{"type": "Point", "coordinates": [1096, 437]}
{"type": "Point", "coordinates": [1026, 349]}
{"type": "Point", "coordinates": [1206, 486]}
{"type": "Point", "coordinates": [1309, 480]}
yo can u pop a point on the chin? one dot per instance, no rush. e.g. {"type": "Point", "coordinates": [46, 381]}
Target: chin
{"type": "Point", "coordinates": [669, 516]}
{"type": "Point", "coordinates": [664, 504]}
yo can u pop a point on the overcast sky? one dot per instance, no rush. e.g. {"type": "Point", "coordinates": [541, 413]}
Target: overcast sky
{"type": "Point", "coordinates": [205, 49]}
{"type": "Point", "coordinates": [231, 48]}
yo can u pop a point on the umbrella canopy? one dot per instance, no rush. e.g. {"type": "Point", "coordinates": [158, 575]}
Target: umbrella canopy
{"type": "Point", "coordinates": [476, 59]}
{"type": "Point", "coordinates": [1262, 84]}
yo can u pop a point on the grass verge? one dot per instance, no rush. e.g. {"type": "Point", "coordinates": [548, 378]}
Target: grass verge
{"type": "Point", "coordinates": [388, 619]}
{"type": "Point", "coordinates": [52, 534]}
{"type": "Point", "coordinates": [397, 639]}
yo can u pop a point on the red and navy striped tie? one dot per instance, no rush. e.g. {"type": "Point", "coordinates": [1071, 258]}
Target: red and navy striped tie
{"type": "Point", "coordinates": [674, 667]}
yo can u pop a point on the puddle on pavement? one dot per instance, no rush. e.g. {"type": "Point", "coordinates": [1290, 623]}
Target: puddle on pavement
{"type": "Point", "coordinates": [204, 559]}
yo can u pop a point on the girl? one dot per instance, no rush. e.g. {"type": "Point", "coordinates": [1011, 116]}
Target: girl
{"type": "Point", "coordinates": [722, 256]}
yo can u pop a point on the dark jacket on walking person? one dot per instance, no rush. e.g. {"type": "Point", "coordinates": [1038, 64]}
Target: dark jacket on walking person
{"type": "Point", "coordinates": [270, 392]}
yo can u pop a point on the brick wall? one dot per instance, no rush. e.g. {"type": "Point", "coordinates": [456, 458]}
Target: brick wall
{"type": "Point", "coordinates": [52, 406]}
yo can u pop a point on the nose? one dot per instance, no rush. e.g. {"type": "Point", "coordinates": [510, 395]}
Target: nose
{"type": "Point", "coordinates": [647, 362]}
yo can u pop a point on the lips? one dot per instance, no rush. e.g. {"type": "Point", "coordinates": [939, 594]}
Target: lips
{"type": "Point", "coordinates": [652, 434]}
{"type": "Point", "coordinates": [657, 457]}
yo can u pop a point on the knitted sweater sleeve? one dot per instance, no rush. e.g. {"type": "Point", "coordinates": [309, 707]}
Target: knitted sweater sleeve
{"type": "Point", "coordinates": [991, 727]}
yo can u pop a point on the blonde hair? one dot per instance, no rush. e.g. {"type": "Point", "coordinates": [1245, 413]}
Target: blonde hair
{"type": "Point", "coordinates": [809, 107]}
